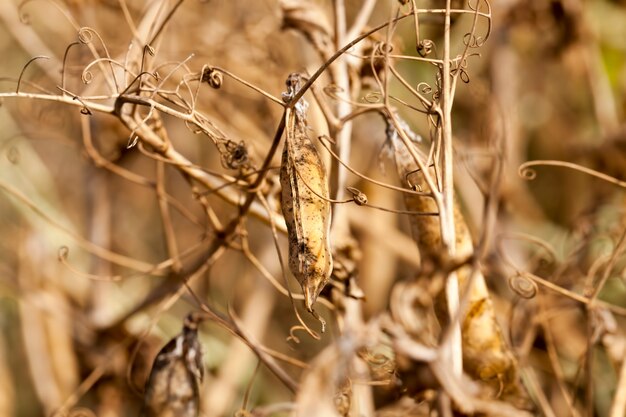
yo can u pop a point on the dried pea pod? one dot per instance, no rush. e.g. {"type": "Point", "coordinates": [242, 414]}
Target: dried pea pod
{"type": "Point", "coordinates": [173, 387]}
{"type": "Point", "coordinates": [305, 203]}
{"type": "Point", "coordinates": [486, 354]}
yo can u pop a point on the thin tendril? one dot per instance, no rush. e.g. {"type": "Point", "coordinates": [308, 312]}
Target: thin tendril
{"type": "Point", "coordinates": [19, 80]}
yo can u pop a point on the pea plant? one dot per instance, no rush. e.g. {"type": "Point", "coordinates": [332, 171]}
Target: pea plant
{"type": "Point", "coordinates": [278, 188]}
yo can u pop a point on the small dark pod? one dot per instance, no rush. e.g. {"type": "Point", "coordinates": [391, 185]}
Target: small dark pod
{"type": "Point", "coordinates": [173, 387]}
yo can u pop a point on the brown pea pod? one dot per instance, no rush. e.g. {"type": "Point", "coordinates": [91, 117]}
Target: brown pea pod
{"type": "Point", "coordinates": [173, 387]}
{"type": "Point", "coordinates": [306, 209]}
{"type": "Point", "coordinates": [486, 354]}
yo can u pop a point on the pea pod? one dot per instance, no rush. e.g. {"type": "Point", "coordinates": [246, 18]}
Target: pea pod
{"type": "Point", "coordinates": [305, 203]}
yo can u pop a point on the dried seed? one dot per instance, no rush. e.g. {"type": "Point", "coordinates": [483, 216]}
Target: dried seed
{"type": "Point", "coordinates": [173, 387]}
{"type": "Point", "coordinates": [305, 203]}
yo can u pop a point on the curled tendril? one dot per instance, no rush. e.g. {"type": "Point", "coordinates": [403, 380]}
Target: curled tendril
{"type": "Point", "coordinates": [382, 48]}
{"type": "Point", "coordinates": [475, 6]}
{"type": "Point", "coordinates": [292, 334]}
{"type": "Point", "coordinates": [63, 253]}
{"type": "Point", "coordinates": [407, 179]}
{"type": "Point", "coordinates": [332, 90]}
{"type": "Point", "coordinates": [425, 47]}
{"type": "Point", "coordinates": [463, 74]}
{"type": "Point", "coordinates": [358, 196]}
{"type": "Point", "coordinates": [523, 286]}
{"type": "Point", "coordinates": [525, 170]}
{"type": "Point", "coordinates": [424, 88]}
{"type": "Point", "coordinates": [373, 97]}
{"type": "Point", "coordinates": [86, 77]}
{"type": "Point", "coordinates": [527, 173]}
{"type": "Point", "coordinates": [468, 40]}
{"type": "Point", "coordinates": [62, 256]}
{"type": "Point", "coordinates": [212, 76]}
{"type": "Point", "coordinates": [13, 155]}
{"type": "Point", "coordinates": [85, 35]}
{"type": "Point", "coordinates": [472, 41]}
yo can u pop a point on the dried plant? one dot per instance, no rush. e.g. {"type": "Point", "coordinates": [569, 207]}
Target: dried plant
{"type": "Point", "coordinates": [173, 387]}
{"type": "Point", "coordinates": [143, 184]}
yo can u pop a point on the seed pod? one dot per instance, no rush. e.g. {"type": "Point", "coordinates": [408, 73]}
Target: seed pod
{"type": "Point", "coordinates": [304, 203]}
{"type": "Point", "coordinates": [173, 387]}
{"type": "Point", "coordinates": [486, 354]}
{"type": "Point", "coordinates": [425, 229]}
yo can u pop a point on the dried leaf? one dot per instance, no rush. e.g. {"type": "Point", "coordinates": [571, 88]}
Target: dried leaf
{"type": "Point", "coordinates": [305, 203]}
{"type": "Point", "coordinates": [173, 388]}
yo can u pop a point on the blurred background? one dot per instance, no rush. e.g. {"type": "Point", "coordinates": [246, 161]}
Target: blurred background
{"type": "Point", "coordinates": [79, 329]}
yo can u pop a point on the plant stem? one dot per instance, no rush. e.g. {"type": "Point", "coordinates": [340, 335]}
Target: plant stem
{"type": "Point", "coordinates": [447, 209]}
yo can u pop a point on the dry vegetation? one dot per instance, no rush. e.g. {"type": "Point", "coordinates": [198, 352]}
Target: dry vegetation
{"type": "Point", "coordinates": [472, 155]}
